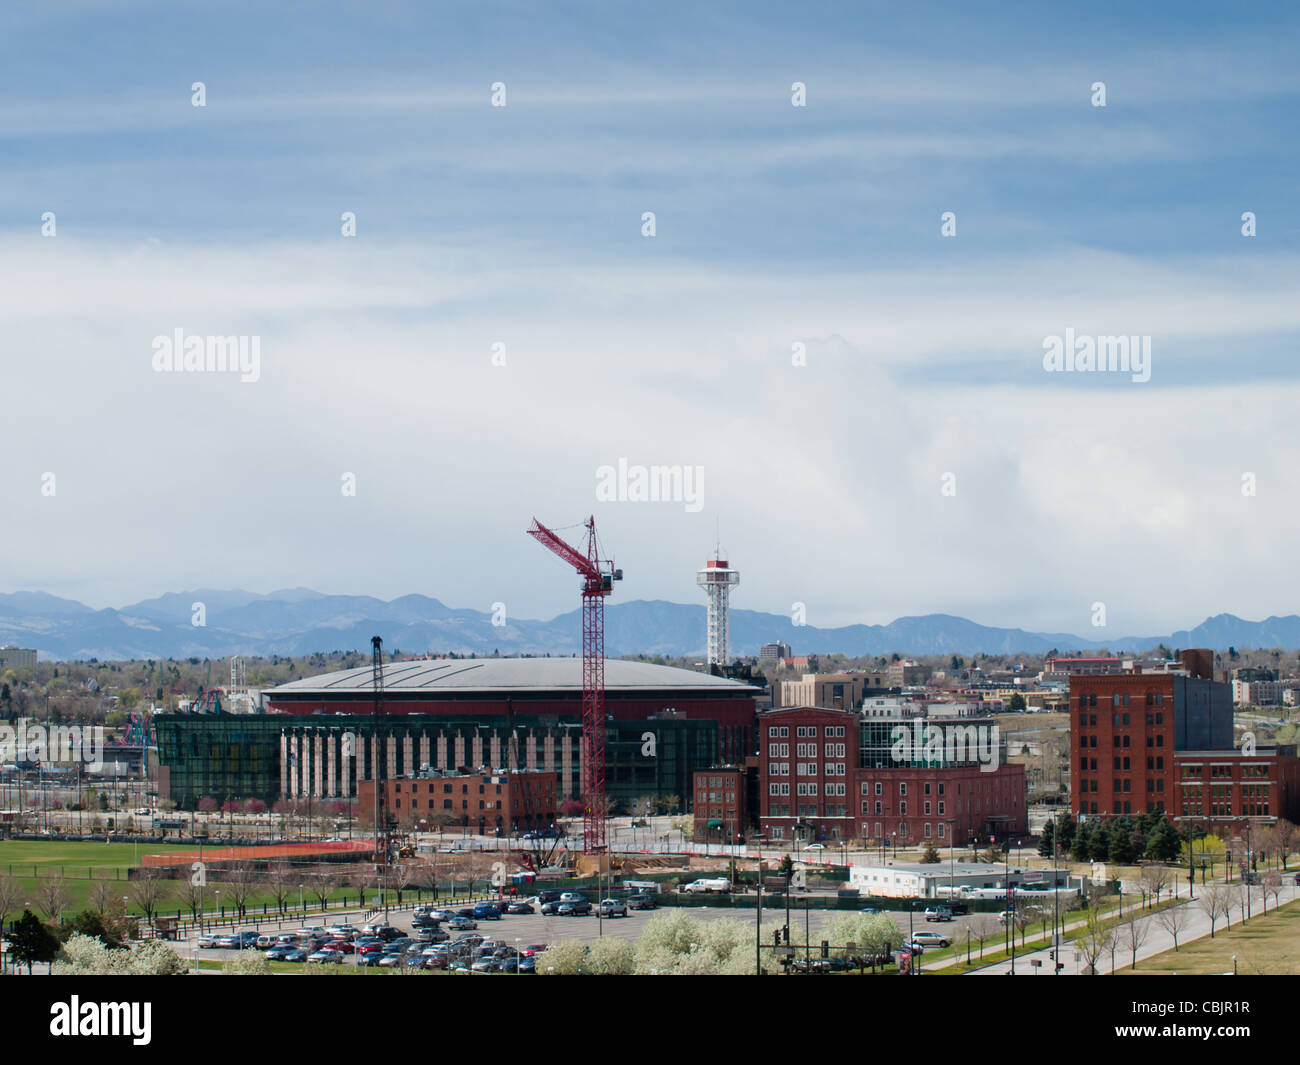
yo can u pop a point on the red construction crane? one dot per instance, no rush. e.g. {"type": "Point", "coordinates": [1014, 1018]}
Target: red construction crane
{"type": "Point", "coordinates": [598, 577]}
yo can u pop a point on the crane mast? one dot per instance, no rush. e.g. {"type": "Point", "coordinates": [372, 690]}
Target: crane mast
{"type": "Point", "coordinates": [598, 577]}
{"type": "Point", "coordinates": [379, 744]}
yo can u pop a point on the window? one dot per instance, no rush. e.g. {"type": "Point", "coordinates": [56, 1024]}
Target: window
{"type": "Point", "coordinates": [941, 806]}
{"type": "Point", "coordinates": [902, 787]}
{"type": "Point", "coordinates": [879, 786]}
{"type": "Point", "coordinates": [902, 808]}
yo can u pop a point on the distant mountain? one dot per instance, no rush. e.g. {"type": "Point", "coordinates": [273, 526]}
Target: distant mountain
{"type": "Point", "coordinates": [300, 621]}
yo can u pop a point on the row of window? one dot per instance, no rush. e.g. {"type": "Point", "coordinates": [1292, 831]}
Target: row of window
{"type": "Point", "coordinates": [782, 732]}
{"type": "Point", "coordinates": [1120, 699]}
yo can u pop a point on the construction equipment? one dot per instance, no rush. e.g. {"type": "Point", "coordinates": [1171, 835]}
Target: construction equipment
{"type": "Point", "coordinates": [598, 577]}
{"type": "Point", "coordinates": [384, 827]}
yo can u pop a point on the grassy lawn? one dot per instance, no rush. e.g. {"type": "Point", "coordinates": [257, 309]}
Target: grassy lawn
{"type": "Point", "coordinates": [77, 858]}
{"type": "Point", "coordinates": [1264, 945]}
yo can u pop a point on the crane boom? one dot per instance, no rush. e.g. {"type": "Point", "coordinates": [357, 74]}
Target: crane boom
{"type": "Point", "coordinates": [598, 577]}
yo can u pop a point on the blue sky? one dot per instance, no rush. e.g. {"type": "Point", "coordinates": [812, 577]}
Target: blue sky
{"type": "Point", "coordinates": [775, 225]}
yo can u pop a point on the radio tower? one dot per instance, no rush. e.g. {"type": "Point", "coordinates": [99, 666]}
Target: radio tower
{"type": "Point", "coordinates": [716, 578]}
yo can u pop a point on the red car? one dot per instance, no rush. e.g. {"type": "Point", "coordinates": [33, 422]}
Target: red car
{"type": "Point", "coordinates": [370, 948]}
{"type": "Point", "coordinates": [536, 948]}
{"type": "Point", "coordinates": [341, 946]}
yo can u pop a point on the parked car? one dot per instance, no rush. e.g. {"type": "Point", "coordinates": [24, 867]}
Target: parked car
{"type": "Point", "coordinates": [296, 954]}
{"type": "Point", "coordinates": [939, 913]}
{"type": "Point", "coordinates": [548, 895]}
{"type": "Point", "coordinates": [930, 939]}
{"type": "Point", "coordinates": [572, 896]}
{"type": "Point", "coordinates": [574, 909]}
{"type": "Point", "coordinates": [324, 956]}
{"type": "Point", "coordinates": [266, 941]}
{"type": "Point", "coordinates": [641, 902]}
{"type": "Point", "coordinates": [226, 942]}
{"type": "Point", "coordinates": [341, 945]}
{"type": "Point", "coordinates": [440, 960]}
{"type": "Point", "coordinates": [520, 907]}
{"type": "Point", "coordinates": [461, 924]}
{"type": "Point", "coordinates": [531, 949]}
{"type": "Point", "coordinates": [487, 911]}
{"type": "Point", "coordinates": [371, 947]}
{"type": "Point", "coordinates": [613, 908]}
{"type": "Point", "coordinates": [369, 960]}
{"type": "Point", "coordinates": [345, 932]}
{"type": "Point", "coordinates": [278, 953]}
{"type": "Point", "coordinates": [207, 941]}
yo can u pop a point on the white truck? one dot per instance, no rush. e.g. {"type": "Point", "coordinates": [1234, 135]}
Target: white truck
{"type": "Point", "coordinates": [706, 885]}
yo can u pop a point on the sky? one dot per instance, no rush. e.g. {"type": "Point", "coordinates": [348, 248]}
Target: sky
{"type": "Point", "coordinates": [866, 397]}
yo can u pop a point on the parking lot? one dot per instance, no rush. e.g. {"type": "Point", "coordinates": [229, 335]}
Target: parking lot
{"type": "Point", "coordinates": [520, 931]}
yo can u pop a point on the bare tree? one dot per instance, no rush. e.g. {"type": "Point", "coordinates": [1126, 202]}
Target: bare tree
{"type": "Point", "coordinates": [1270, 885]}
{"type": "Point", "coordinates": [1156, 879]}
{"type": "Point", "coordinates": [241, 878]}
{"type": "Point", "coordinates": [190, 895]}
{"type": "Point", "coordinates": [53, 897]}
{"type": "Point", "coordinates": [280, 881]}
{"type": "Point", "coordinates": [1173, 920]}
{"type": "Point", "coordinates": [10, 893]}
{"type": "Point", "coordinates": [1212, 903]}
{"type": "Point", "coordinates": [1285, 836]}
{"type": "Point", "coordinates": [150, 891]}
{"type": "Point", "coordinates": [984, 925]}
{"type": "Point", "coordinates": [1132, 934]}
{"type": "Point", "coordinates": [324, 883]}
{"type": "Point", "coordinates": [1092, 939]}
{"type": "Point", "coordinates": [103, 893]}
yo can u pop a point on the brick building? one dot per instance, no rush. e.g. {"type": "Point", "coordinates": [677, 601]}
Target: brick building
{"type": "Point", "coordinates": [836, 774]}
{"type": "Point", "coordinates": [721, 805]}
{"type": "Point", "coordinates": [513, 802]}
{"type": "Point", "coordinates": [1221, 791]}
{"type": "Point", "coordinates": [1126, 728]}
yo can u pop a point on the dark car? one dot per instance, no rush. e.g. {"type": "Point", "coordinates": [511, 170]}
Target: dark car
{"type": "Point", "coordinates": [389, 934]}
{"type": "Point", "coordinates": [641, 902]}
{"type": "Point", "coordinates": [297, 954]}
{"type": "Point", "coordinates": [369, 960]}
{"type": "Point", "coordinates": [520, 907]}
{"type": "Point", "coordinates": [424, 920]}
{"type": "Point", "coordinates": [549, 895]}
{"type": "Point", "coordinates": [573, 909]}
{"type": "Point", "coordinates": [486, 910]}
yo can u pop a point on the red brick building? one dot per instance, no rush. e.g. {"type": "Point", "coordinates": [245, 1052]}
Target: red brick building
{"type": "Point", "coordinates": [1221, 791]}
{"type": "Point", "coordinates": [1126, 728]}
{"type": "Point", "coordinates": [822, 776]}
{"type": "Point", "coordinates": [721, 805]}
{"type": "Point", "coordinates": [512, 802]}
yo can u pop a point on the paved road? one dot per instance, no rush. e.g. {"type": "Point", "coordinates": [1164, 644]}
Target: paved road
{"type": "Point", "coordinates": [1157, 941]}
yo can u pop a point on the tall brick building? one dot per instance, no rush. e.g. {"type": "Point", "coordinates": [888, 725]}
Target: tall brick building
{"type": "Point", "coordinates": [1141, 742]}
{"type": "Point", "coordinates": [830, 774]}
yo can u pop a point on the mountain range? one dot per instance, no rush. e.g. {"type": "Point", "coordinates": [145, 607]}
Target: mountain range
{"type": "Point", "coordinates": [299, 621]}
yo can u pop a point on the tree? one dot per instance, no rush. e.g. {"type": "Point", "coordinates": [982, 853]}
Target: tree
{"type": "Point", "coordinates": [53, 897]}
{"type": "Point", "coordinates": [30, 941]}
{"type": "Point", "coordinates": [983, 925]}
{"type": "Point", "coordinates": [1285, 835]}
{"type": "Point", "coordinates": [280, 882]}
{"type": "Point", "coordinates": [611, 956]}
{"type": "Point", "coordinates": [1016, 704]}
{"type": "Point", "coordinates": [240, 880]}
{"type": "Point", "coordinates": [1173, 920]}
{"type": "Point", "coordinates": [1133, 933]}
{"type": "Point", "coordinates": [564, 958]}
{"type": "Point", "coordinates": [89, 923]}
{"type": "Point", "coordinates": [1156, 879]}
{"type": "Point", "coordinates": [930, 855]}
{"type": "Point", "coordinates": [1212, 903]}
{"type": "Point", "coordinates": [151, 890]}
{"type": "Point", "coordinates": [1093, 939]}
{"type": "Point", "coordinates": [9, 892]}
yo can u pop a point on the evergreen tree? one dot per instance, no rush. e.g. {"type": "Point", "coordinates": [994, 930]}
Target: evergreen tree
{"type": "Point", "coordinates": [1045, 843]}
{"type": "Point", "coordinates": [1099, 843]}
{"type": "Point", "coordinates": [1079, 846]}
{"type": "Point", "coordinates": [31, 941]}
